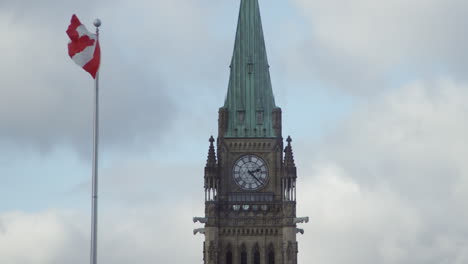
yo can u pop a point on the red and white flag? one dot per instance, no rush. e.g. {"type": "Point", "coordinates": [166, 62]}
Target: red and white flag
{"type": "Point", "coordinates": [83, 47]}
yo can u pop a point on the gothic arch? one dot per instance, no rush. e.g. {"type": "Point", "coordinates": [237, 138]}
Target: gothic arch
{"type": "Point", "coordinates": [211, 252]}
{"type": "Point", "coordinates": [243, 254]}
{"type": "Point", "coordinates": [256, 254]}
{"type": "Point", "coordinates": [271, 254]}
{"type": "Point", "coordinates": [229, 257]}
{"type": "Point", "coordinates": [228, 247]}
{"type": "Point", "coordinates": [289, 251]}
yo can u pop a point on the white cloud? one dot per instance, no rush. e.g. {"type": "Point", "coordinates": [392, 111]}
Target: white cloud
{"type": "Point", "coordinates": [351, 224]}
{"type": "Point", "coordinates": [145, 216]}
{"type": "Point", "coordinates": [45, 237]}
{"type": "Point", "coordinates": [159, 234]}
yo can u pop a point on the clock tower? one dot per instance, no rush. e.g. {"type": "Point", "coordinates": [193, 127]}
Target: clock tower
{"type": "Point", "coordinates": [250, 176]}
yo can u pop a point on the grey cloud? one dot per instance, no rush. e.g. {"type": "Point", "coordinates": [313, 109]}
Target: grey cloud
{"type": "Point", "coordinates": [47, 100]}
{"type": "Point", "coordinates": [360, 45]}
{"type": "Point", "coordinates": [147, 69]}
{"type": "Point", "coordinates": [421, 122]}
{"type": "Point", "coordinates": [146, 181]}
{"type": "Point", "coordinates": [389, 185]}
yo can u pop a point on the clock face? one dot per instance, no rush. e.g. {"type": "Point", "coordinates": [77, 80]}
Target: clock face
{"type": "Point", "coordinates": [250, 172]}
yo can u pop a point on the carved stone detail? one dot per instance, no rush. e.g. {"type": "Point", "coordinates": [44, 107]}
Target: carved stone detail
{"type": "Point", "coordinates": [289, 251]}
{"type": "Point", "coordinates": [211, 252]}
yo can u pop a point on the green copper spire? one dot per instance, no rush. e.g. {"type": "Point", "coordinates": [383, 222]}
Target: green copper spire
{"type": "Point", "coordinates": [249, 101]}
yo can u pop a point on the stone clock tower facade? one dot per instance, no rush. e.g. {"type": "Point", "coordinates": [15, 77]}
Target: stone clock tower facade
{"type": "Point", "coordinates": [250, 176]}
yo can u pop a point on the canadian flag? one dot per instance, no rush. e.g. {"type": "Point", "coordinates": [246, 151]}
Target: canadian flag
{"type": "Point", "coordinates": [83, 47]}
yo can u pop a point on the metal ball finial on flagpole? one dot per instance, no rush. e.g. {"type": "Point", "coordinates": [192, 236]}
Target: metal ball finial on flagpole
{"type": "Point", "coordinates": [94, 205]}
{"type": "Point", "coordinates": [97, 22]}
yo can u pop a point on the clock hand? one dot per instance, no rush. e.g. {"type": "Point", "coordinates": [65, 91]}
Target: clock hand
{"type": "Point", "coordinates": [251, 174]}
{"type": "Point", "coordinates": [254, 171]}
{"type": "Point", "coordinates": [257, 170]}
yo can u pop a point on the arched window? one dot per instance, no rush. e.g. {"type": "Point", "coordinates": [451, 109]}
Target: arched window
{"type": "Point", "coordinates": [271, 257]}
{"type": "Point", "coordinates": [256, 257]}
{"type": "Point", "coordinates": [244, 257]}
{"type": "Point", "coordinates": [229, 257]}
{"type": "Point", "coordinates": [256, 254]}
{"type": "Point", "coordinates": [271, 254]}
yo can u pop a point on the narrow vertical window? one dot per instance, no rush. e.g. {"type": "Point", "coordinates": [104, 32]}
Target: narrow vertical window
{"type": "Point", "coordinates": [243, 259]}
{"type": "Point", "coordinates": [271, 257]}
{"type": "Point", "coordinates": [229, 257]}
{"type": "Point", "coordinates": [257, 257]}
{"type": "Point", "coordinates": [241, 116]}
{"type": "Point", "coordinates": [250, 65]}
{"type": "Point", "coordinates": [259, 117]}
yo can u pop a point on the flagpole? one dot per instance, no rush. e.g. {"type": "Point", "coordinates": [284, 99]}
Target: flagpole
{"type": "Point", "coordinates": [94, 206]}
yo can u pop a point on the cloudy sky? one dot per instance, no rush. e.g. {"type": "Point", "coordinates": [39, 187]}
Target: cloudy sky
{"type": "Point", "coordinates": [374, 95]}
